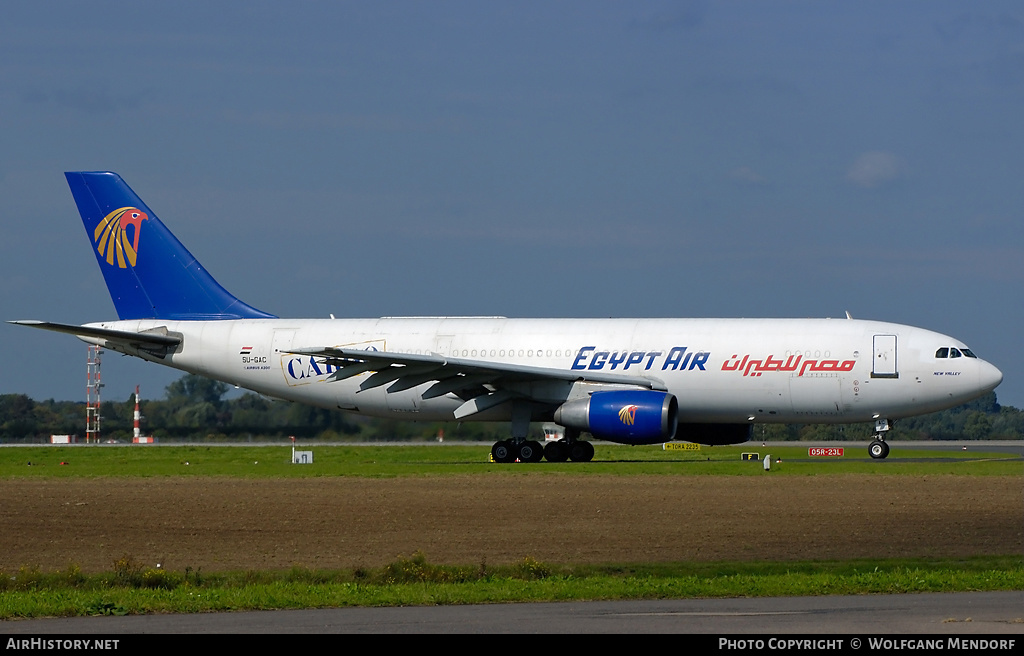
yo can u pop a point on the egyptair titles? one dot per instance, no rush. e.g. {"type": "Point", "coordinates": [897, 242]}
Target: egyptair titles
{"type": "Point", "coordinates": [678, 359]}
{"type": "Point", "coordinates": [793, 363]}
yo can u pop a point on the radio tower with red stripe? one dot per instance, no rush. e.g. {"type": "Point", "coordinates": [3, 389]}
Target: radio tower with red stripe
{"type": "Point", "coordinates": [138, 437]}
{"type": "Point", "coordinates": [138, 417]}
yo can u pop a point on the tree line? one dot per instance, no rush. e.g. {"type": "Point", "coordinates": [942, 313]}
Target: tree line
{"type": "Point", "coordinates": [195, 408]}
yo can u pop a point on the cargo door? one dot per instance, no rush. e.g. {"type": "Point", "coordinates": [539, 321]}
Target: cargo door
{"type": "Point", "coordinates": [816, 395]}
{"type": "Point", "coordinates": [281, 342]}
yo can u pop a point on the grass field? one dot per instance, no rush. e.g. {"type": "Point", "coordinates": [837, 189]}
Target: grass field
{"type": "Point", "coordinates": [420, 460]}
{"type": "Point", "coordinates": [128, 586]}
{"type": "Point", "coordinates": [413, 581]}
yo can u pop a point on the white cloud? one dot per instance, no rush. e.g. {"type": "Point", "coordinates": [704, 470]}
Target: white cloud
{"type": "Point", "coordinates": [875, 168]}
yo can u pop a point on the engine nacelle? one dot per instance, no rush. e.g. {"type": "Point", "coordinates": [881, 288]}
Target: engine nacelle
{"type": "Point", "coordinates": [624, 416]}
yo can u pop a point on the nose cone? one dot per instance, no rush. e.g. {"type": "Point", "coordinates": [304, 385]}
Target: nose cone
{"type": "Point", "coordinates": [989, 377]}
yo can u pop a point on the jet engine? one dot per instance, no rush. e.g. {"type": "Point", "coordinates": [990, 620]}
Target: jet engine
{"type": "Point", "coordinates": [624, 416]}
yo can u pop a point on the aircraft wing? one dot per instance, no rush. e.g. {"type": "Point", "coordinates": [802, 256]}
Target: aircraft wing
{"type": "Point", "coordinates": [482, 384]}
{"type": "Point", "coordinates": [150, 341]}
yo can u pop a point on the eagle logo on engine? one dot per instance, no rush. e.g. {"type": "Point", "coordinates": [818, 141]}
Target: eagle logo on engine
{"type": "Point", "coordinates": [628, 414]}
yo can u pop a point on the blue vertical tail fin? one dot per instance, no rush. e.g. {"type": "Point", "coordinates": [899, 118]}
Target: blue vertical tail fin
{"type": "Point", "coordinates": [149, 273]}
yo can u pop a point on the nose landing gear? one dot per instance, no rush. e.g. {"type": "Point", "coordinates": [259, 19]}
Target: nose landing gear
{"type": "Point", "coordinates": [878, 449]}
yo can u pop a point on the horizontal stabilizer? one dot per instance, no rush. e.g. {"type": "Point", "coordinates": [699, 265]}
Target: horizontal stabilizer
{"type": "Point", "coordinates": [132, 339]}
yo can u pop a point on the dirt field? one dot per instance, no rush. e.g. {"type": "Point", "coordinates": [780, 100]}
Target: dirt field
{"type": "Point", "coordinates": [227, 524]}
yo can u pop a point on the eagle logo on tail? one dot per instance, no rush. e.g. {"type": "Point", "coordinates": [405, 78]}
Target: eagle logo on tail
{"type": "Point", "coordinates": [111, 236]}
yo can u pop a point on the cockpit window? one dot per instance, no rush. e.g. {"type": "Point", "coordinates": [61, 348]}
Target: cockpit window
{"type": "Point", "coordinates": [953, 352]}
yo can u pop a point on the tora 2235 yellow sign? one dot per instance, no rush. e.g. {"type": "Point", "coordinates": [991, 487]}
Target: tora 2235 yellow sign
{"type": "Point", "coordinates": [111, 236]}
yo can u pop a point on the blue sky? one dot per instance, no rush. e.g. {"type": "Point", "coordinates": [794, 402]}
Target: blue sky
{"type": "Point", "coordinates": [525, 159]}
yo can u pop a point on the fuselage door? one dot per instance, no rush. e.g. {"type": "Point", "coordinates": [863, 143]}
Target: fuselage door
{"type": "Point", "coordinates": [443, 344]}
{"type": "Point", "coordinates": [884, 363]}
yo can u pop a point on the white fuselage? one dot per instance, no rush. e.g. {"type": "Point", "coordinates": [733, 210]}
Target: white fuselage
{"type": "Point", "coordinates": [720, 370]}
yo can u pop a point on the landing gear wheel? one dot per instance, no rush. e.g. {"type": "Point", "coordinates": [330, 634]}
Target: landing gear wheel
{"type": "Point", "coordinates": [581, 452]}
{"type": "Point", "coordinates": [530, 451]}
{"type": "Point", "coordinates": [556, 451]}
{"type": "Point", "coordinates": [878, 449]}
{"type": "Point", "coordinates": [502, 451]}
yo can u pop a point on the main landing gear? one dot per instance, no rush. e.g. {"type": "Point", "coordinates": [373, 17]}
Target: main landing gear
{"type": "Point", "coordinates": [878, 449]}
{"type": "Point", "coordinates": [510, 451]}
{"type": "Point", "coordinates": [523, 450]}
